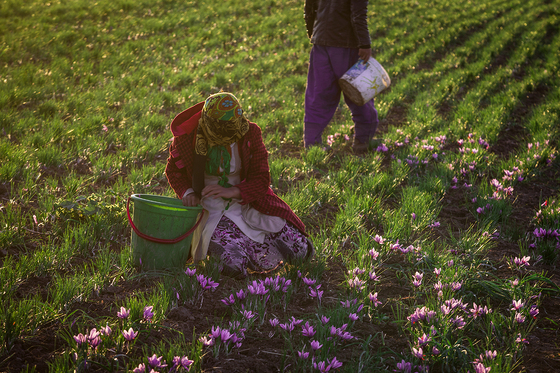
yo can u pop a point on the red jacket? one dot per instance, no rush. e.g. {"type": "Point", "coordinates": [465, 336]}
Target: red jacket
{"type": "Point", "coordinates": [255, 174]}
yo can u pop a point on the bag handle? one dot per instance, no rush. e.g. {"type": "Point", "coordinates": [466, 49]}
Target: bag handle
{"type": "Point", "coordinates": [160, 240]}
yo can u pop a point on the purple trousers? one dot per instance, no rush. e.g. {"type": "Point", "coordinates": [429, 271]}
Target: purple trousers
{"type": "Point", "coordinates": [322, 96]}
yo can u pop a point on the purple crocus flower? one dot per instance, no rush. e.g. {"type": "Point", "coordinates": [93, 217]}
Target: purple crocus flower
{"type": "Point", "coordinates": [274, 322]}
{"type": "Point", "coordinates": [229, 301]}
{"type": "Point", "coordinates": [534, 311]}
{"type": "Point", "coordinates": [435, 351]}
{"type": "Point", "coordinates": [123, 313]}
{"type": "Point", "coordinates": [356, 283]}
{"type": "Point", "coordinates": [129, 334]}
{"type": "Point", "coordinates": [316, 293]}
{"type": "Point", "coordinates": [455, 303]}
{"type": "Point", "coordinates": [458, 322]}
{"type": "Point", "coordinates": [476, 311]}
{"type": "Point", "coordinates": [417, 315]}
{"type": "Point", "coordinates": [190, 272]}
{"type": "Point", "coordinates": [307, 330]}
{"type": "Point", "coordinates": [357, 271]}
{"type": "Point", "coordinates": [519, 318]}
{"type": "Point", "coordinates": [156, 362]}
{"type": "Point", "coordinates": [148, 314]}
{"type": "Point", "coordinates": [303, 355]}
{"type": "Point", "coordinates": [348, 303]}
{"type": "Point", "coordinates": [334, 364]}
{"type": "Point", "coordinates": [382, 148]}
{"type": "Point", "coordinates": [374, 254]}
{"type": "Point", "coordinates": [95, 342]}
{"type": "Point", "coordinates": [423, 339]}
{"type": "Point", "coordinates": [373, 299]}
{"type": "Point", "coordinates": [186, 363]}
{"type": "Point", "coordinates": [206, 283]}
{"type": "Point", "coordinates": [320, 366]}
{"type": "Point", "coordinates": [380, 240]}
{"type": "Point", "coordinates": [404, 367]}
{"type": "Point", "coordinates": [480, 368]}
{"type": "Point", "coordinates": [520, 339]}
{"type": "Point", "coordinates": [240, 294]}
{"type": "Point", "coordinates": [248, 314]}
{"type": "Point", "coordinates": [93, 334]}
{"type": "Point", "coordinates": [517, 304]}
{"type": "Point", "coordinates": [289, 327]}
{"type": "Point", "coordinates": [175, 361]}
{"type": "Point", "coordinates": [140, 369]}
{"type": "Point", "coordinates": [80, 338]}
{"type": "Point", "coordinates": [396, 246]}
{"type": "Point", "coordinates": [106, 330]}
{"type": "Point", "coordinates": [324, 319]}
{"type": "Point", "coordinates": [215, 333]}
{"type": "Point", "coordinates": [295, 321]}
{"type": "Point", "coordinates": [522, 261]}
{"type": "Point", "coordinates": [418, 352]}
{"type": "Point", "coordinates": [205, 341]}
{"type": "Point", "coordinates": [309, 281]}
{"type": "Point", "coordinates": [373, 276]}
{"type": "Point", "coordinates": [257, 288]}
{"type": "Point", "coordinates": [225, 335]}
{"type": "Point", "coordinates": [446, 310]}
{"type": "Point", "coordinates": [315, 345]}
{"type": "Point", "coordinates": [212, 285]}
{"type": "Point", "coordinates": [353, 317]}
{"type": "Point", "coordinates": [456, 286]}
{"type": "Point", "coordinates": [430, 315]}
{"type": "Point", "coordinates": [417, 279]}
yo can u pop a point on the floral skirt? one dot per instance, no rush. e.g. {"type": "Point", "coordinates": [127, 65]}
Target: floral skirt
{"type": "Point", "coordinates": [238, 253]}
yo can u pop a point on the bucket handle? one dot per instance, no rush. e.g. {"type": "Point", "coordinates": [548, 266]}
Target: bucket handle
{"type": "Point", "coordinates": [160, 240]}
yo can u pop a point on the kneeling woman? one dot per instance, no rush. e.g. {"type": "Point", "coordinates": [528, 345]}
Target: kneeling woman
{"type": "Point", "coordinates": [218, 159]}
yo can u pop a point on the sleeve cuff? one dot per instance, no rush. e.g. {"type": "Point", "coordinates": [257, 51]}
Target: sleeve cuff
{"type": "Point", "coordinates": [189, 191]}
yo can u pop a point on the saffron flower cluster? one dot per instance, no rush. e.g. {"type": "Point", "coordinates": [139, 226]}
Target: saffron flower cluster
{"type": "Point", "coordinates": [206, 283]}
{"type": "Point", "coordinates": [155, 362]}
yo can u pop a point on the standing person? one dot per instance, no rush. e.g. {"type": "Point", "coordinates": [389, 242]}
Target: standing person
{"type": "Point", "coordinates": [218, 159]}
{"type": "Point", "coordinates": [339, 32]}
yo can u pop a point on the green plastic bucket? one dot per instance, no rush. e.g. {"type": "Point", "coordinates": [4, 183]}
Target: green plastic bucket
{"type": "Point", "coordinates": [161, 231]}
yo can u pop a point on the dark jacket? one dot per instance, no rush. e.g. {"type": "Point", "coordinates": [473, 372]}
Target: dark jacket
{"type": "Point", "coordinates": [337, 23]}
{"type": "Point", "coordinates": [255, 174]}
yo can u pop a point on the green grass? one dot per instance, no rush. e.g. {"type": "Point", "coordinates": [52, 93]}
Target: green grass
{"type": "Point", "coordinates": [86, 95]}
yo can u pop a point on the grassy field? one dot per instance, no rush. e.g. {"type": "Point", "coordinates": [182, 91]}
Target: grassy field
{"type": "Point", "coordinates": [437, 250]}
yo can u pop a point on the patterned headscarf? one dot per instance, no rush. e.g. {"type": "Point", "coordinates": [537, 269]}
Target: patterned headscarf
{"type": "Point", "coordinates": [222, 122]}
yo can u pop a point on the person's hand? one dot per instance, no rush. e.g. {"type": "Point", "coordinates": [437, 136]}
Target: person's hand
{"type": "Point", "coordinates": [190, 200]}
{"type": "Point", "coordinates": [364, 54]}
{"type": "Point", "coordinates": [216, 191]}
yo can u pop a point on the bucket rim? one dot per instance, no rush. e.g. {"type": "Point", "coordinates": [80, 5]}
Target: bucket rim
{"type": "Point", "coordinates": [139, 197]}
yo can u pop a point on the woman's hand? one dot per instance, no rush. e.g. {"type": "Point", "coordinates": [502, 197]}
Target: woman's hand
{"type": "Point", "coordinates": [215, 191]}
{"type": "Point", "coordinates": [190, 200]}
{"type": "Point", "coordinates": [364, 54]}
